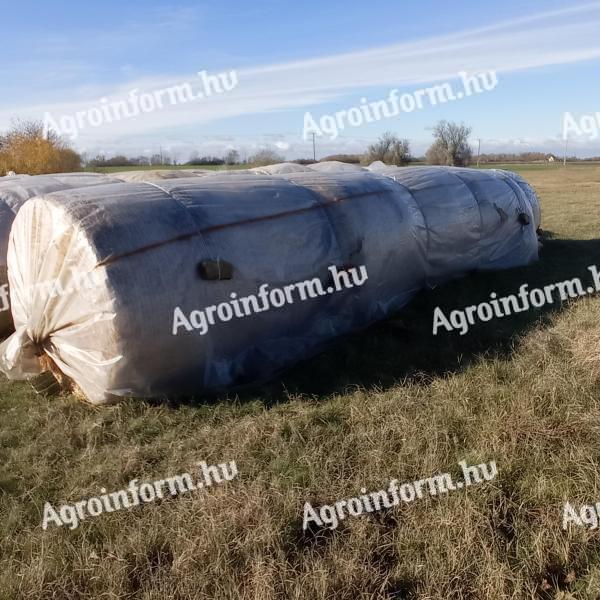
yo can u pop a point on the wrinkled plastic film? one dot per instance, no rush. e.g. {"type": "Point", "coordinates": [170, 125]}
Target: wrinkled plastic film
{"type": "Point", "coordinates": [139, 247]}
{"type": "Point", "coordinates": [14, 192]}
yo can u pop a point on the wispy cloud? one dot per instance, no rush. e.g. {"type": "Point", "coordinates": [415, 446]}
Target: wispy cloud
{"type": "Point", "coordinates": [551, 38]}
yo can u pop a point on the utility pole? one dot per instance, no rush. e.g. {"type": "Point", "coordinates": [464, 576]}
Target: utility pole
{"type": "Point", "coordinates": [314, 148]}
{"type": "Point", "coordinates": [566, 149]}
{"type": "Point", "coordinates": [478, 151]}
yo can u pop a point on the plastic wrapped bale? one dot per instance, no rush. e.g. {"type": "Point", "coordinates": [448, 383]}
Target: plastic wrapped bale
{"type": "Point", "coordinates": [526, 189]}
{"type": "Point", "coordinates": [12, 176]}
{"type": "Point", "coordinates": [282, 169]}
{"type": "Point", "coordinates": [208, 283]}
{"type": "Point", "coordinates": [159, 174]}
{"type": "Point", "coordinates": [335, 165]}
{"type": "Point", "coordinates": [378, 165]}
{"type": "Point", "coordinates": [14, 192]}
{"type": "Point", "coordinates": [495, 218]}
{"type": "Point", "coordinates": [235, 172]}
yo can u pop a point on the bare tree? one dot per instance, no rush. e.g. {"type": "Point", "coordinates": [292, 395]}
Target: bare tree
{"type": "Point", "coordinates": [451, 145]}
{"type": "Point", "coordinates": [232, 157]}
{"type": "Point", "coordinates": [389, 149]}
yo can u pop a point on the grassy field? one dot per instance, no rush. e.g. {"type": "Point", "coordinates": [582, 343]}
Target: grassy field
{"type": "Point", "coordinates": [389, 402]}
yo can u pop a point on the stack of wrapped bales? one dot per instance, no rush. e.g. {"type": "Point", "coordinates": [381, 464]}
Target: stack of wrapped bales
{"type": "Point", "coordinates": [170, 289]}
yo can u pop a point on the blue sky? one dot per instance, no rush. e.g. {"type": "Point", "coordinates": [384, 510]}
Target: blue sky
{"type": "Point", "coordinates": [291, 58]}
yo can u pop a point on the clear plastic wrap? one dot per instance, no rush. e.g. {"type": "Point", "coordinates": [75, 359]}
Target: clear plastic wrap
{"type": "Point", "coordinates": [14, 192]}
{"type": "Point", "coordinates": [97, 274]}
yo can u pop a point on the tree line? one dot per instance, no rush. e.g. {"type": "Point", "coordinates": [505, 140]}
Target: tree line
{"type": "Point", "coordinates": [27, 148]}
{"type": "Point", "coordinates": [450, 147]}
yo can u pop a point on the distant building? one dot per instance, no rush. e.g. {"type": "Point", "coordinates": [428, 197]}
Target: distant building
{"type": "Point", "coordinates": [552, 158]}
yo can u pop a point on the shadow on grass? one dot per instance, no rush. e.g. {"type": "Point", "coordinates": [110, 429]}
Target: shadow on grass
{"type": "Point", "coordinates": [404, 346]}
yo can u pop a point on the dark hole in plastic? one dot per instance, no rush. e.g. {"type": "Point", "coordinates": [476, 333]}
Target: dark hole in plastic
{"type": "Point", "coordinates": [524, 219]}
{"type": "Point", "coordinates": [215, 270]}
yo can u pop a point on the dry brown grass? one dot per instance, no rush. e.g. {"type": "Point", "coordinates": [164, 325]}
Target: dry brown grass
{"type": "Point", "coordinates": [384, 404]}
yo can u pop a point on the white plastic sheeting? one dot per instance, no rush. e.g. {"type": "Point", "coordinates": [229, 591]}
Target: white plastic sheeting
{"type": "Point", "coordinates": [330, 166]}
{"type": "Point", "coordinates": [482, 232]}
{"type": "Point", "coordinates": [282, 169]}
{"type": "Point", "coordinates": [124, 256]}
{"type": "Point", "coordinates": [14, 192]}
{"type": "Point", "coordinates": [159, 174]}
